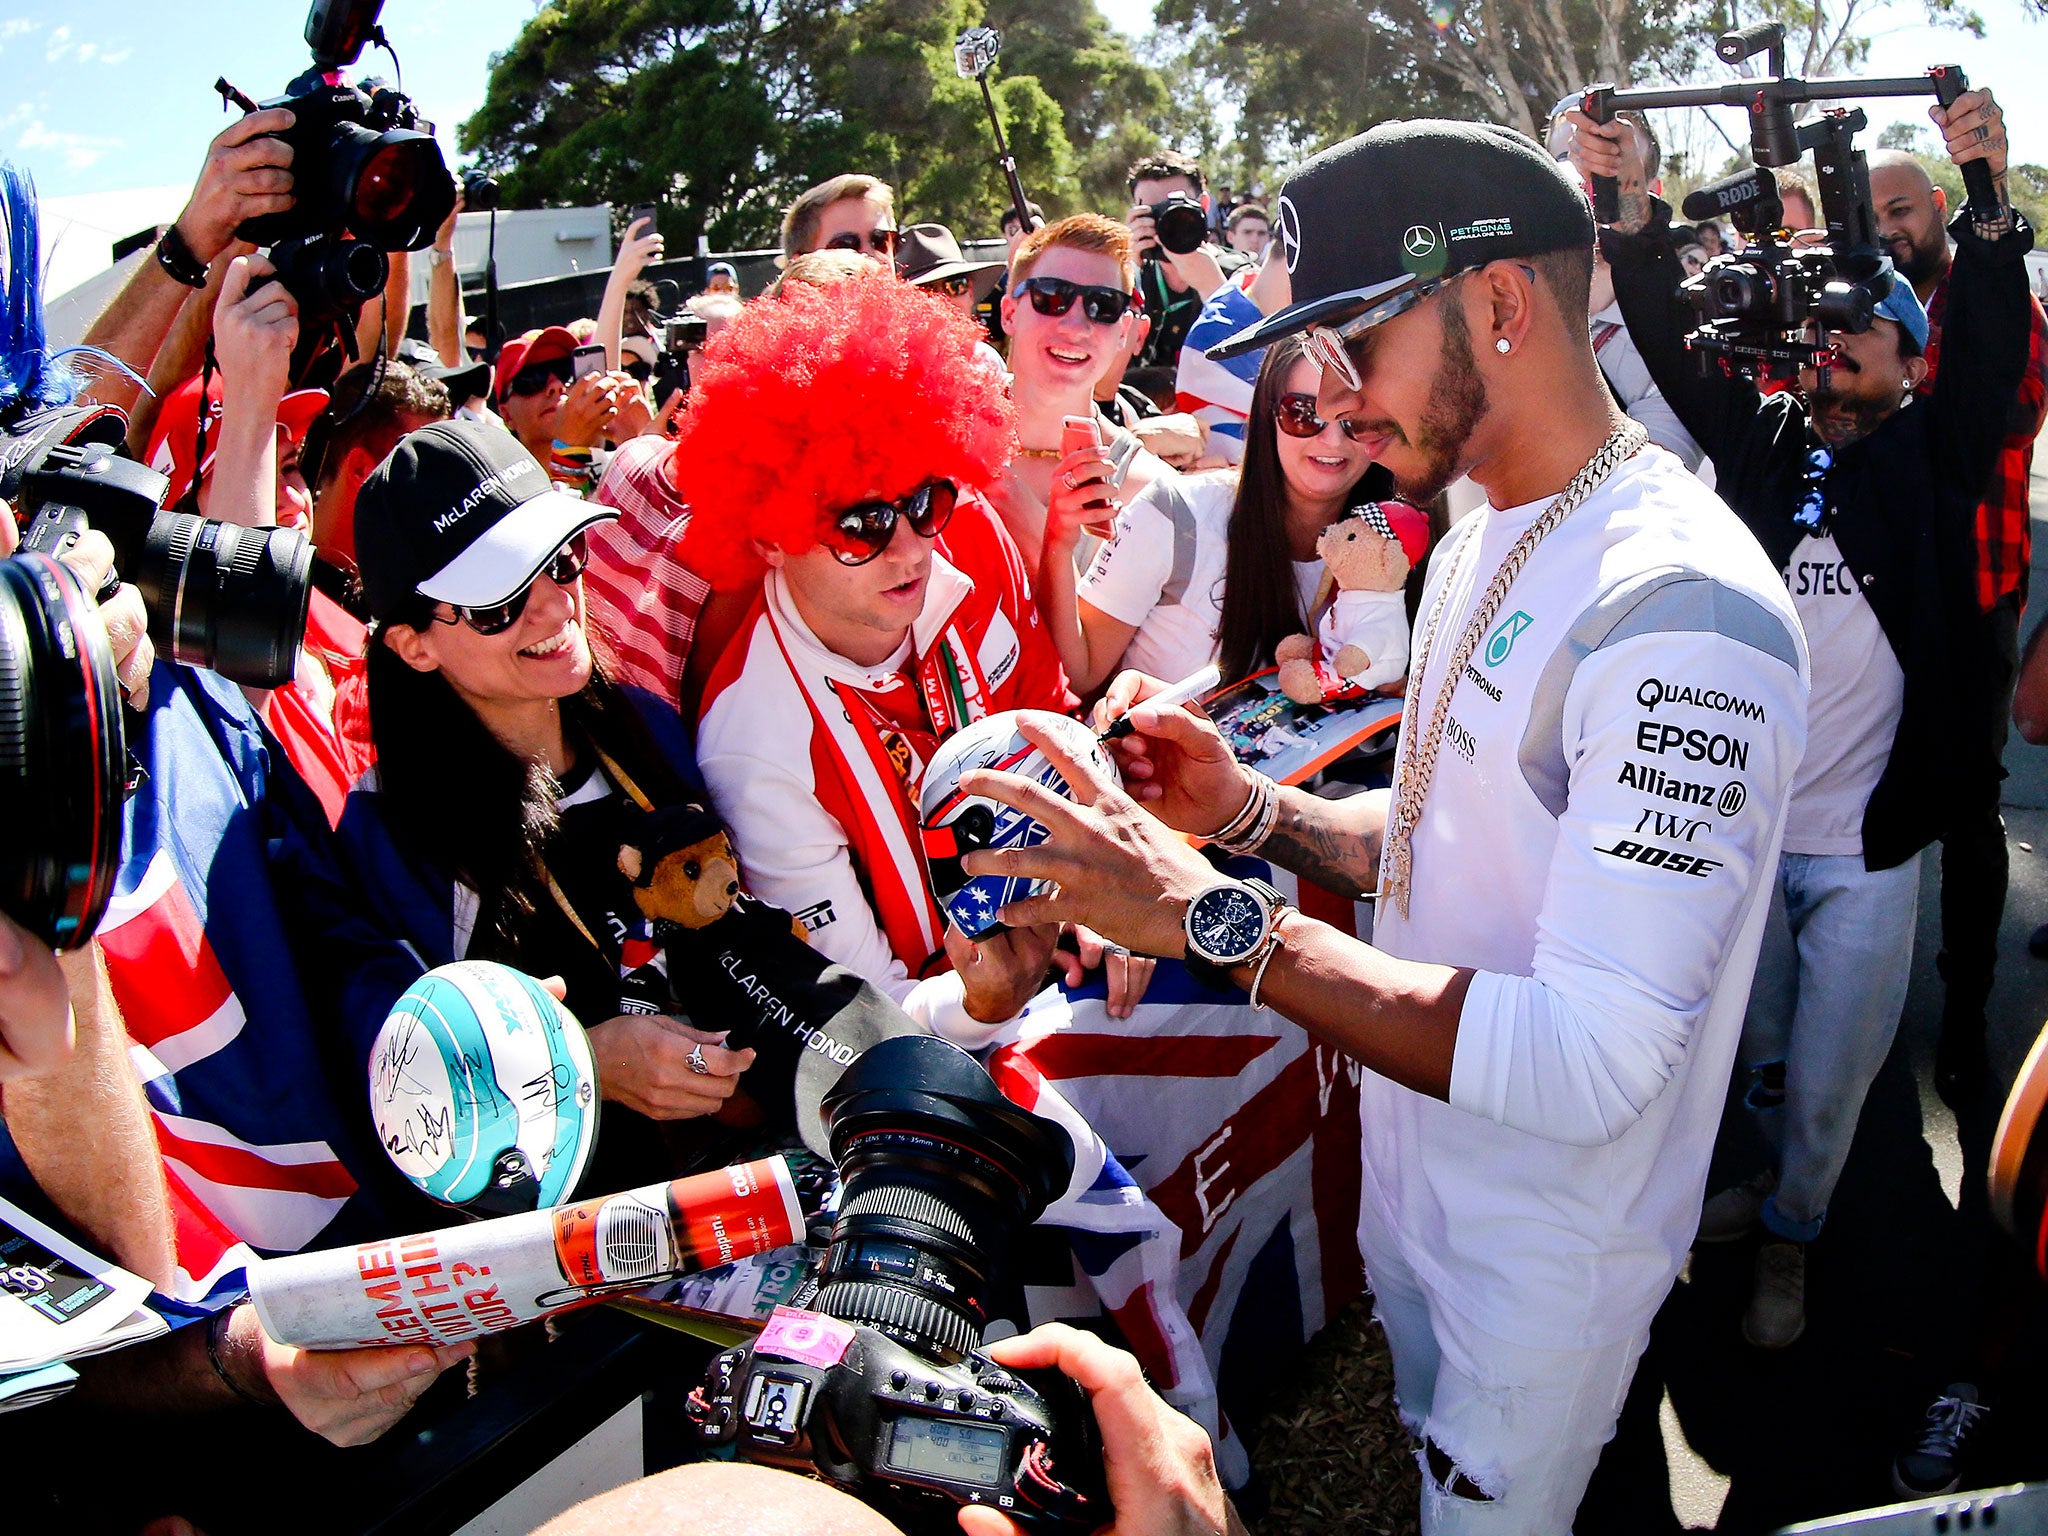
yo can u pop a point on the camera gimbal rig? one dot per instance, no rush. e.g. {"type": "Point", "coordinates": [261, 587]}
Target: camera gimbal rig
{"type": "Point", "coordinates": [1753, 308]}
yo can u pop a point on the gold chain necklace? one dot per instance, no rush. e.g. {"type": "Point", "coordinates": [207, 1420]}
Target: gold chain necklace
{"type": "Point", "coordinates": [1418, 765]}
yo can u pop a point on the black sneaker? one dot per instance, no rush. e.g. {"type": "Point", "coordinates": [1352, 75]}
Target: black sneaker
{"type": "Point", "coordinates": [1931, 1467]}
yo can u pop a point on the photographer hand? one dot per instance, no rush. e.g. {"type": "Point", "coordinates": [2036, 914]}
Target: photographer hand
{"type": "Point", "coordinates": [91, 558]}
{"type": "Point", "coordinates": [1613, 149]}
{"type": "Point", "coordinates": [35, 1005]}
{"type": "Point", "coordinates": [247, 174]}
{"type": "Point", "coordinates": [1159, 1464]}
{"type": "Point", "coordinates": [644, 1062]}
{"type": "Point", "coordinates": [1973, 128]}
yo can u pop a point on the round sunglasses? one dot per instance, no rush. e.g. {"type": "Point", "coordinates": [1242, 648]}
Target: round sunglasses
{"type": "Point", "coordinates": [1054, 296]}
{"type": "Point", "coordinates": [1295, 414]}
{"type": "Point", "coordinates": [861, 532]}
{"type": "Point", "coordinates": [563, 567]}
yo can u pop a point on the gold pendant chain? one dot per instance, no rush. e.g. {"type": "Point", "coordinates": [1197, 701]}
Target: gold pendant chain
{"type": "Point", "coordinates": [1417, 767]}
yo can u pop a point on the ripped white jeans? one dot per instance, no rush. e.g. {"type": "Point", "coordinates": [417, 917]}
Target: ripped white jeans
{"type": "Point", "coordinates": [1516, 1431]}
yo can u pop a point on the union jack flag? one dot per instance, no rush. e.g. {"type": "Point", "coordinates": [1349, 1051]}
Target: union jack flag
{"type": "Point", "coordinates": [257, 1152]}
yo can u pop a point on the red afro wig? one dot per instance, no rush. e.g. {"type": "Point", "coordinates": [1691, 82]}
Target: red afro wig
{"type": "Point", "coordinates": [823, 397]}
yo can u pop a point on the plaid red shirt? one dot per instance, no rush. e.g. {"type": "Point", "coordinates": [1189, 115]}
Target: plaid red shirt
{"type": "Point", "coordinates": [2004, 533]}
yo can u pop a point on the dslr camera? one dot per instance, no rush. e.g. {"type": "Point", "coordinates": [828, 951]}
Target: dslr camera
{"type": "Point", "coordinates": [219, 596]}
{"type": "Point", "coordinates": [874, 1383]}
{"type": "Point", "coordinates": [1767, 312]}
{"type": "Point", "coordinates": [1181, 222]}
{"type": "Point", "coordinates": [367, 178]}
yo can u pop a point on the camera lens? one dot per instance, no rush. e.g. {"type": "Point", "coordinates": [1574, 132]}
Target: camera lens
{"type": "Point", "coordinates": [939, 1173]}
{"type": "Point", "coordinates": [1181, 224]}
{"type": "Point", "coordinates": [384, 186]}
{"type": "Point", "coordinates": [62, 753]}
{"type": "Point", "coordinates": [227, 598]}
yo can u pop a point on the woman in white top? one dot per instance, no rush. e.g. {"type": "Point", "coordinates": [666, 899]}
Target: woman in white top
{"type": "Point", "coordinates": [1207, 566]}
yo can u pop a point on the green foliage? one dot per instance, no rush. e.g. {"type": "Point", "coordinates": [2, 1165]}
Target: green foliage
{"type": "Point", "coordinates": [724, 110]}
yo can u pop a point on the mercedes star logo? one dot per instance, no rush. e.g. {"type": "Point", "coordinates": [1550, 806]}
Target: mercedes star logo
{"type": "Point", "coordinates": [1419, 241]}
{"type": "Point", "coordinates": [1290, 232]}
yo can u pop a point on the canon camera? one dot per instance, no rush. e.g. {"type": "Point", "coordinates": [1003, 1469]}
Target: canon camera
{"type": "Point", "coordinates": [875, 1383]}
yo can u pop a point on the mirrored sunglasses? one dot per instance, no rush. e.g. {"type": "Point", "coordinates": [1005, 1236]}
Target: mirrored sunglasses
{"type": "Point", "coordinates": [1295, 414]}
{"type": "Point", "coordinates": [1329, 346]}
{"type": "Point", "coordinates": [1054, 296]}
{"type": "Point", "coordinates": [862, 531]}
{"type": "Point", "coordinates": [563, 567]}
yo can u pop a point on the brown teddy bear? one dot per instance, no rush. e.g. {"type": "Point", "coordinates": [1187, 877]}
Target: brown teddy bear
{"type": "Point", "coordinates": [1360, 613]}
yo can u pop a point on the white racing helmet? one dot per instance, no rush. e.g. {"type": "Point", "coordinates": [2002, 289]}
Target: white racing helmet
{"type": "Point", "coordinates": [957, 824]}
{"type": "Point", "coordinates": [483, 1091]}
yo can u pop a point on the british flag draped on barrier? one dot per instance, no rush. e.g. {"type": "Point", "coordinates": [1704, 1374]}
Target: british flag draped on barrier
{"type": "Point", "coordinates": [258, 1152]}
{"type": "Point", "coordinates": [1241, 1131]}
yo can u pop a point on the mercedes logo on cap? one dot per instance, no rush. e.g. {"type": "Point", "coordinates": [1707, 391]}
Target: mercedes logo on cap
{"type": "Point", "coordinates": [1290, 231]}
{"type": "Point", "coordinates": [1419, 241]}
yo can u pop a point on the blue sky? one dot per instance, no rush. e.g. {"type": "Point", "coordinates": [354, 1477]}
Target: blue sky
{"type": "Point", "coordinates": [101, 95]}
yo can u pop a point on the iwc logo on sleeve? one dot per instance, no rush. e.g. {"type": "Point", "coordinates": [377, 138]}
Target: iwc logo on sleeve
{"type": "Point", "coordinates": [1290, 232]}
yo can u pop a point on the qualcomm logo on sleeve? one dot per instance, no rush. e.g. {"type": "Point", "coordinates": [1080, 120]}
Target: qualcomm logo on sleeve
{"type": "Point", "coordinates": [1502, 640]}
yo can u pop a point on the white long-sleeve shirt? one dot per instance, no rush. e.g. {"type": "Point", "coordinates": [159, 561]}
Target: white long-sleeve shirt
{"type": "Point", "coordinates": [1598, 844]}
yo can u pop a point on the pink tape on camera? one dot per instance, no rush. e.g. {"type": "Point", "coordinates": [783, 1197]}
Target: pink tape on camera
{"type": "Point", "coordinates": [809, 1338]}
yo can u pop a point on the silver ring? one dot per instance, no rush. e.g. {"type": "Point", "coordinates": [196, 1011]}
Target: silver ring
{"type": "Point", "coordinates": [1071, 483]}
{"type": "Point", "coordinates": [1109, 949]}
{"type": "Point", "coordinates": [697, 1063]}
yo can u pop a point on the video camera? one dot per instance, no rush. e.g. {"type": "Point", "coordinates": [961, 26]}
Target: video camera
{"type": "Point", "coordinates": [367, 178]}
{"type": "Point", "coordinates": [1756, 308]}
{"type": "Point", "coordinates": [875, 1383]}
{"type": "Point", "coordinates": [218, 595]}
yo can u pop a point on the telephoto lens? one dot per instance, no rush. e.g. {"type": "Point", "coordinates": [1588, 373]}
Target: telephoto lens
{"type": "Point", "coordinates": [62, 753]}
{"type": "Point", "coordinates": [220, 596]}
{"type": "Point", "coordinates": [939, 1174]}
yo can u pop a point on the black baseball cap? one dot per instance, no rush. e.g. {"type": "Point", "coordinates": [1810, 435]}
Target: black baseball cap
{"type": "Point", "coordinates": [1412, 201]}
{"type": "Point", "coordinates": [460, 513]}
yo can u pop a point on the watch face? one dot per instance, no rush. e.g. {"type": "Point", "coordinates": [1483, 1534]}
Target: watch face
{"type": "Point", "coordinates": [1227, 922]}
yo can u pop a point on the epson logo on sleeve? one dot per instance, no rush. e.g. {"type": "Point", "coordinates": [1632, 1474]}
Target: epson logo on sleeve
{"type": "Point", "coordinates": [1695, 746]}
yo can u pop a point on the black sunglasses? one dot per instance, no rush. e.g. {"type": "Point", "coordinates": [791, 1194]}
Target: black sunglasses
{"type": "Point", "coordinates": [862, 531]}
{"type": "Point", "coordinates": [1055, 296]}
{"type": "Point", "coordinates": [880, 241]}
{"type": "Point", "coordinates": [1295, 414]}
{"type": "Point", "coordinates": [533, 378]}
{"type": "Point", "coordinates": [563, 567]}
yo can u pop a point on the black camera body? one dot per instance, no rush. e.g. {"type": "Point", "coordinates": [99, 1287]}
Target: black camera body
{"type": "Point", "coordinates": [367, 178]}
{"type": "Point", "coordinates": [873, 1416]}
{"type": "Point", "coordinates": [879, 1387]}
{"type": "Point", "coordinates": [1181, 222]}
{"type": "Point", "coordinates": [219, 596]}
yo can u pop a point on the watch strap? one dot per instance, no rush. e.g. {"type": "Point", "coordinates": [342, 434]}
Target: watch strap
{"type": "Point", "coordinates": [177, 260]}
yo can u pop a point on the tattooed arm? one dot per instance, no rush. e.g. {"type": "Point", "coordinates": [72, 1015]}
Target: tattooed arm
{"type": "Point", "coordinates": [1335, 843]}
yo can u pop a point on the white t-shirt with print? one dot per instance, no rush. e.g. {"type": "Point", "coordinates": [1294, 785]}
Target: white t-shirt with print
{"type": "Point", "coordinates": [1162, 571]}
{"type": "Point", "coordinates": [1597, 844]}
{"type": "Point", "coordinates": [1859, 695]}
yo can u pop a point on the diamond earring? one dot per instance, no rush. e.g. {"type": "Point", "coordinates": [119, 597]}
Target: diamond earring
{"type": "Point", "coordinates": [1503, 346]}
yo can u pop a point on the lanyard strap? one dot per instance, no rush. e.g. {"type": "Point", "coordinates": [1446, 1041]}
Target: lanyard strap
{"type": "Point", "coordinates": [633, 792]}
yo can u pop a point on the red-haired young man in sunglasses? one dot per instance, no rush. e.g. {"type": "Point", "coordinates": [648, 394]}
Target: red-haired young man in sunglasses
{"type": "Point", "coordinates": [829, 459]}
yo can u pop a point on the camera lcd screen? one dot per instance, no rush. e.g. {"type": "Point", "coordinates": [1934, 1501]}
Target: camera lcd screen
{"type": "Point", "coordinates": [957, 1453]}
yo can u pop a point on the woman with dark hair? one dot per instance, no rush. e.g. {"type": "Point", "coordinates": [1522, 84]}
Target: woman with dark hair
{"type": "Point", "coordinates": [510, 766]}
{"type": "Point", "coordinates": [1218, 566]}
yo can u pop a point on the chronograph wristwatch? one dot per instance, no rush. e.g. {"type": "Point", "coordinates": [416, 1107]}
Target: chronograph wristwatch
{"type": "Point", "coordinates": [1230, 924]}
